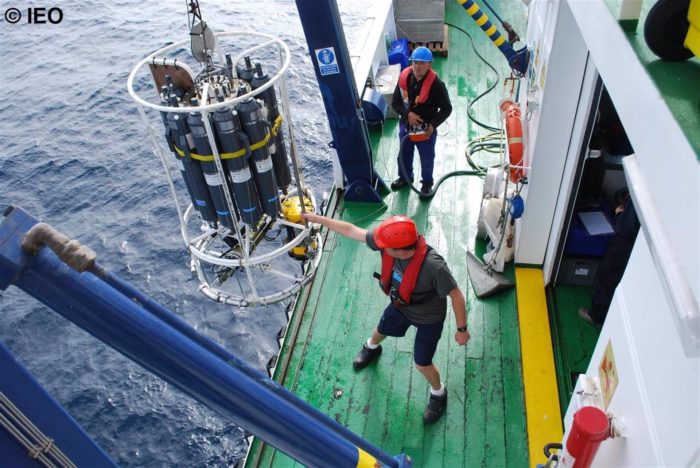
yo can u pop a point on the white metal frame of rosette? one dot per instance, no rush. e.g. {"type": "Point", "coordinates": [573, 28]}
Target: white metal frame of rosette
{"type": "Point", "coordinates": [201, 240]}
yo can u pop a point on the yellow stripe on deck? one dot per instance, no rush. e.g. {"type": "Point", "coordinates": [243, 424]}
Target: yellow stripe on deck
{"type": "Point", "coordinates": [539, 377]}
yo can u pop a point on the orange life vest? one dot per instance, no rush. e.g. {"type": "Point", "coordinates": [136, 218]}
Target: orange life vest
{"type": "Point", "coordinates": [410, 274]}
{"type": "Point", "coordinates": [428, 81]}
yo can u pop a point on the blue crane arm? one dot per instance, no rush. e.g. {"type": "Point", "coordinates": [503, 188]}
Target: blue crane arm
{"type": "Point", "coordinates": [152, 336]}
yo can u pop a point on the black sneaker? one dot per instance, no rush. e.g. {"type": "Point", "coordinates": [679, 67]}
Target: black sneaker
{"type": "Point", "coordinates": [436, 406]}
{"type": "Point", "coordinates": [365, 356]}
{"type": "Point", "coordinates": [426, 187]}
{"type": "Point", "coordinates": [399, 183]}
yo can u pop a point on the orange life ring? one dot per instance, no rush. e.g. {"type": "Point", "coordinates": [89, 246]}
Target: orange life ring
{"type": "Point", "coordinates": [514, 137]}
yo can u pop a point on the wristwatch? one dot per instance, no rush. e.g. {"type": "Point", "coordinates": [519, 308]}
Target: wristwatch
{"type": "Point", "coordinates": [462, 329]}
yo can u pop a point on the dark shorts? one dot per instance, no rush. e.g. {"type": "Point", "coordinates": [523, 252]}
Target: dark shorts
{"type": "Point", "coordinates": [393, 323]}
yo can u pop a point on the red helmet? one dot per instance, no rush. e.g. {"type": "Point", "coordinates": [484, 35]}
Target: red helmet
{"type": "Point", "coordinates": [396, 232]}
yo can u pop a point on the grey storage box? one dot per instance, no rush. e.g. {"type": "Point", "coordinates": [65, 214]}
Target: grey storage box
{"type": "Point", "coordinates": [420, 21]}
{"type": "Point", "coordinates": [385, 83]}
{"type": "Point", "coordinates": [578, 271]}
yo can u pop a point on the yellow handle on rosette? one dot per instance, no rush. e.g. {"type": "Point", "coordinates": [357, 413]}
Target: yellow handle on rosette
{"type": "Point", "coordinates": [365, 460]}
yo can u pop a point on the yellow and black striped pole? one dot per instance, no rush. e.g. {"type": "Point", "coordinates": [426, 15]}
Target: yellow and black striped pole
{"type": "Point", "coordinates": [517, 60]}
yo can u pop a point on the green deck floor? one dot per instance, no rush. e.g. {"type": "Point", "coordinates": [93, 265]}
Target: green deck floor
{"type": "Point", "coordinates": [485, 422]}
{"type": "Point", "coordinates": [573, 339]}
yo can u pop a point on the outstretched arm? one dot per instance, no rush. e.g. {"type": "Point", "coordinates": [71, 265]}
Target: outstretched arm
{"type": "Point", "coordinates": [341, 227]}
{"type": "Point", "coordinates": [459, 306]}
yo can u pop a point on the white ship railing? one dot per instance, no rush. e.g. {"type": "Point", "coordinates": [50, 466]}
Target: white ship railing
{"type": "Point", "coordinates": [675, 284]}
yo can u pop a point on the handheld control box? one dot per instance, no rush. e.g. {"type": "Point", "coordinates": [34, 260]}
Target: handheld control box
{"type": "Point", "coordinates": [419, 133]}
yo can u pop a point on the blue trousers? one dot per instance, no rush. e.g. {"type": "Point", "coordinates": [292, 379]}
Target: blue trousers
{"type": "Point", "coordinates": [426, 151]}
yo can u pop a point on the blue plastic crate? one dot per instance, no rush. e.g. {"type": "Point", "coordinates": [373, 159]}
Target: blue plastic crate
{"type": "Point", "coordinates": [580, 243]}
{"type": "Point", "coordinates": [399, 53]}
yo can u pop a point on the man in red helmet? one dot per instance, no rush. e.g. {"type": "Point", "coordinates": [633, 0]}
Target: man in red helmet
{"type": "Point", "coordinates": [421, 100]}
{"type": "Point", "coordinates": [418, 281]}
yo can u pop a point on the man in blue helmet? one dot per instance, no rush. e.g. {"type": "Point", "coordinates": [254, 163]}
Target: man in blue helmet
{"type": "Point", "coordinates": [421, 99]}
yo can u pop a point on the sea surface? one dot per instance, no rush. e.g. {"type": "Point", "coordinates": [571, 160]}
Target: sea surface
{"type": "Point", "coordinates": [76, 155]}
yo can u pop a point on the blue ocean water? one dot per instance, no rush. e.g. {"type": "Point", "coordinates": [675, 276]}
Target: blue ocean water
{"type": "Point", "coordinates": [76, 155]}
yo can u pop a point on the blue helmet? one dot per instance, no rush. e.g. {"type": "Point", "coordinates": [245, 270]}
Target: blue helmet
{"type": "Point", "coordinates": [422, 54]}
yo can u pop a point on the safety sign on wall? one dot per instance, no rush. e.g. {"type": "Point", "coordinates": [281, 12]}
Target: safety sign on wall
{"type": "Point", "coordinates": [327, 61]}
{"type": "Point", "coordinates": [607, 372]}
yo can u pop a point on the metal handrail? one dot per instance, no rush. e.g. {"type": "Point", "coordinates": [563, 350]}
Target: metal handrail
{"type": "Point", "coordinates": [686, 314]}
{"type": "Point", "coordinates": [285, 56]}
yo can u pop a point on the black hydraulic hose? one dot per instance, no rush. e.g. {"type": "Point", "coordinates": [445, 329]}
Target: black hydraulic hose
{"type": "Point", "coordinates": [486, 144]}
{"type": "Point", "coordinates": [548, 450]}
{"type": "Point", "coordinates": [479, 170]}
{"type": "Point", "coordinates": [491, 88]}
{"type": "Point", "coordinates": [430, 194]}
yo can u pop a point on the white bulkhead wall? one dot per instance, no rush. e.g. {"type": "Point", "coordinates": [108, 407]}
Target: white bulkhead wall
{"type": "Point", "coordinates": [659, 389]}
{"type": "Point", "coordinates": [550, 104]}
{"type": "Point", "coordinates": [658, 393]}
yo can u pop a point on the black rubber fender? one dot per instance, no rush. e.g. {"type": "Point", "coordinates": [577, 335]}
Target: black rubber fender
{"type": "Point", "coordinates": [665, 29]}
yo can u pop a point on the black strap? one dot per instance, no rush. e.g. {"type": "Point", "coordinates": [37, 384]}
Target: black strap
{"type": "Point", "coordinates": [424, 301]}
